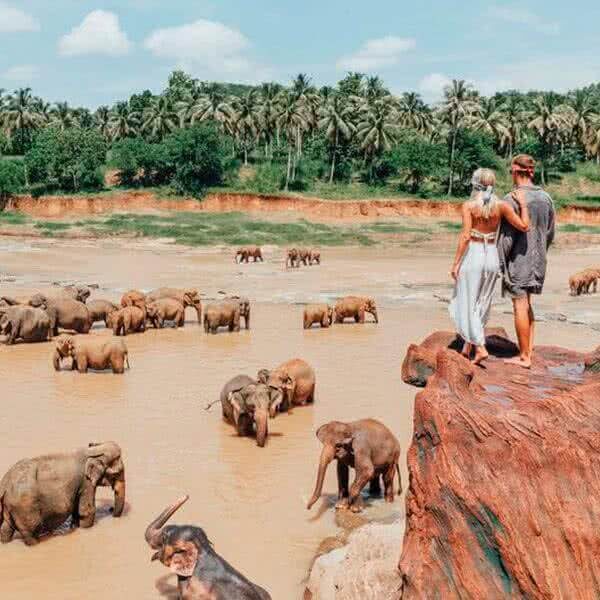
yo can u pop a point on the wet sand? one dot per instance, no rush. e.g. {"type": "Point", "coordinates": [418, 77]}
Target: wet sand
{"type": "Point", "coordinates": [250, 501]}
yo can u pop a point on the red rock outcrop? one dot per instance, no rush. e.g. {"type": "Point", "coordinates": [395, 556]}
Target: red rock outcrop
{"type": "Point", "coordinates": [504, 470]}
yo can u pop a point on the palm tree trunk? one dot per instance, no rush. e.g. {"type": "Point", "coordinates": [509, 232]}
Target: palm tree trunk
{"type": "Point", "coordinates": [333, 158]}
{"type": "Point", "coordinates": [245, 155]}
{"type": "Point", "coordinates": [452, 151]}
{"type": "Point", "coordinates": [289, 168]}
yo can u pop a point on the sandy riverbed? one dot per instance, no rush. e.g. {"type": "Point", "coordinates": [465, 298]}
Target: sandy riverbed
{"type": "Point", "coordinates": [249, 500]}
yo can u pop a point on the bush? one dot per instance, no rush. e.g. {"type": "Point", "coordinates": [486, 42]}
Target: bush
{"type": "Point", "coordinates": [68, 160]}
{"type": "Point", "coordinates": [419, 159]}
{"type": "Point", "coordinates": [12, 179]}
{"type": "Point", "coordinates": [473, 150]}
{"type": "Point", "coordinates": [268, 178]}
{"type": "Point", "coordinates": [141, 163]}
{"type": "Point", "coordinates": [590, 171]}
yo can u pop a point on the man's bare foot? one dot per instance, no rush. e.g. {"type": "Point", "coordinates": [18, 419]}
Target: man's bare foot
{"type": "Point", "coordinates": [480, 356]}
{"type": "Point", "coordinates": [524, 363]}
{"type": "Point", "coordinates": [466, 351]}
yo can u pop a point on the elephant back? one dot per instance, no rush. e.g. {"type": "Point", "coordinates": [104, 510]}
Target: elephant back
{"type": "Point", "coordinates": [235, 385]}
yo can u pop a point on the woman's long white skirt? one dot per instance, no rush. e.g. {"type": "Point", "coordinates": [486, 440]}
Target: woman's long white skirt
{"type": "Point", "coordinates": [473, 292]}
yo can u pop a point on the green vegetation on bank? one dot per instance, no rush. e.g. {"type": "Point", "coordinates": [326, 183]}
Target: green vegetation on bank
{"type": "Point", "coordinates": [354, 140]}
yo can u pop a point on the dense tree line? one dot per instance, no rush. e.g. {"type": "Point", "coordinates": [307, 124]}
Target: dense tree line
{"type": "Point", "coordinates": [292, 134]}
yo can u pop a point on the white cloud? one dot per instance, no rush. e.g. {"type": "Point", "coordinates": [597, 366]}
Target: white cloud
{"type": "Point", "coordinates": [432, 86]}
{"type": "Point", "coordinates": [207, 48]}
{"type": "Point", "coordinates": [519, 15]}
{"type": "Point", "coordinates": [377, 54]}
{"type": "Point", "coordinates": [23, 73]}
{"type": "Point", "coordinates": [99, 33]}
{"type": "Point", "coordinates": [14, 19]}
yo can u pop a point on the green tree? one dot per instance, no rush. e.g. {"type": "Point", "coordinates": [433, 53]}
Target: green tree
{"type": "Point", "coordinates": [12, 180]}
{"type": "Point", "coordinates": [21, 118]}
{"type": "Point", "coordinates": [419, 159]}
{"type": "Point", "coordinates": [62, 116]}
{"type": "Point", "coordinates": [291, 118]}
{"type": "Point", "coordinates": [337, 124]}
{"type": "Point", "coordinates": [414, 113]}
{"type": "Point", "coordinates": [247, 119]}
{"type": "Point", "coordinates": [125, 122]}
{"type": "Point", "coordinates": [159, 118]}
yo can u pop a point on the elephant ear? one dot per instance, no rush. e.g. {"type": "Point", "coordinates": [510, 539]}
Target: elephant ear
{"type": "Point", "coordinates": [94, 469]}
{"type": "Point", "coordinates": [335, 433]}
{"type": "Point", "coordinates": [184, 559]}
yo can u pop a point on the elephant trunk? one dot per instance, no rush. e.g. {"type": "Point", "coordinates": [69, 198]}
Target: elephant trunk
{"type": "Point", "coordinates": [261, 418]}
{"type": "Point", "coordinates": [154, 530]}
{"type": "Point", "coordinates": [119, 490]}
{"type": "Point", "coordinates": [198, 308]}
{"type": "Point", "coordinates": [56, 360]}
{"type": "Point", "coordinates": [374, 313]}
{"type": "Point", "coordinates": [327, 456]}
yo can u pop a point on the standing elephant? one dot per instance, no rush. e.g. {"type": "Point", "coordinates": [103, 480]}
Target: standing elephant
{"type": "Point", "coordinates": [100, 309]}
{"type": "Point", "coordinates": [354, 307]}
{"type": "Point", "coordinates": [26, 323]}
{"type": "Point", "coordinates": [133, 298]}
{"type": "Point", "coordinates": [222, 314]}
{"type": "Point", "coordinates": [188, 297]}
{"type": "Point", "coordinates": [201, 573]}
{"type": "Point", "coordinates": [129, 319]}
{"type": "Point", "coordinates": [165, 309]}
{"type": "Point", "coordinates": [248, 252]}
{"type": "Point", "coordinates": [318, 313]}
{"type": "Point", "coordinates": [370, 448]}
{"type": "Point", "coordinates": [39, 494]}
{"type": "Point", "coordinates": [91, 352]}
{"type": "Point", "coordinates": [293, 384]}
{"type": "Point", "coordinates": [65, 312]}
{"type": "Point", "coordinates": [77, 292]}
{"type": "Point", "coordinates": [315, 257]}
{"type": "Point", "coordinates": [304, 254]}
{"type": "Point", "coordinates": [245, 404]}
{"type": "Point", "coordinates": [244, 307]}
{"type": "Point", "coordinates": [292, 258]}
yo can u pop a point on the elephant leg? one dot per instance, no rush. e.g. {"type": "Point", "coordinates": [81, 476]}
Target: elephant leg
{"type": "Point", "coordinates": [364, 474]}
{"type": "Point", "coordinates": [388, 482]}
{"type": "Point", "coordinates": [74, 366]}
{"type": "Point", "coordinates": [343, 473]}
{"type": "Point", "coordinates": [181, 319]}
{"type": "Point", "coordinates": [26, 526]}
{"type": "Point", "coordinates": [375, 486]}
{"type": "Point", "coordinates": [361, 316]}
{"type": "Point", "coordinates": [118, 365]}
{"type": "Point", "coordinates": [214, 329]}
{"type": "Point", "coordinates": [7, 530]}
{"type": "Point", "coordinates": [81, 364]}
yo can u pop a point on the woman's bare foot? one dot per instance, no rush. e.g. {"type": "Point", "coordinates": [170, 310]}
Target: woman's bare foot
{"type": "Point", "coordinates": [467, 349]}
{"type": "Point", "coordinates": [480, 356]}
{"type": "Point", "coordinates": [520, 361]}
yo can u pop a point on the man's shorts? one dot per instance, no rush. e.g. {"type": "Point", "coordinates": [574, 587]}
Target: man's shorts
{"type": "Point", "coordinates": [515, 291]}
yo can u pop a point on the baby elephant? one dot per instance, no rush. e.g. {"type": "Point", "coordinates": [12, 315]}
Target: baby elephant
{"type": "Point", "coordinates": [370, 448]}
{"type": "Point", "coordinates": [318, 313]}
{"type": "Point", "coordinates": [100, 309]}
{"type": "Point", "coordinates": [91, 352]}
{"type": "Point", "coordinates": [222, 314]}
{"type": "Point", "coordinates": [354, 307]}
{"type": "Point", "coordinates": [166, 309]}
{"type": "Point", "coordinates": [245, 405]}
{"type": "Point", "coordinates": [201, 573]}
{"type": "Point", "coordinates": [244, 307]}
{"type": "Point", "coordinates": [39, 494]}
{"type": "Point", "coordinates": [130, 319]}
{"type": "Point", "coordinates": [248, 252]}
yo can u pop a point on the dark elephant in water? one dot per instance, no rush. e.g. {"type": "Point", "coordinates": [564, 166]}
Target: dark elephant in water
{"type": "Point", "coordinates": [201, 573]}
{"type": "Point", "coordinates": [38, 494]}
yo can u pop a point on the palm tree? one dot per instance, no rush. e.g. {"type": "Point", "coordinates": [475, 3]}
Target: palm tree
{"type": "Point", "coordinates": [377, 129]}
{"type": "Point", "coordinates": [291, 119]}
{"type": "Point", "coordinates": [490, 118]}
{"type": "Point", "coordinates": [514, 112]}
{"type": "Point", "coordinates": [414, 113]}
{"type": "Point", "coordinates": [247, 117]}
{"type": "Point", "coordinates": [336, 122]}
{"type": "Point", "coordinates": [303, 93]}
{"type": "Point", "coordinates": [124, 122]}
{"type": "Point", "coordinates": [374, 89]}
{"type": "Point", "coordinates": [21, 116]}
{"type": "Point", "coordinates": [582, 110]}
{"type": "Point", "coordinates": [103, 118]}
{"type": "Point", "coordinates": [212, 104]}
{"type": "Point", "coordinates": [269, 107]}
{"type": "Point", "coordinates": [459, 104]}
{"type": "Point", "coordinates": [160, 118]}
{"type": "Point", "coordinates": [62, 116]}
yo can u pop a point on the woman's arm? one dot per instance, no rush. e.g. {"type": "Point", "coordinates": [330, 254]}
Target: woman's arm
{"type": "Point", "coordinates": [508, 212]}
{"type": "Point", "coordinates": [463, 240]}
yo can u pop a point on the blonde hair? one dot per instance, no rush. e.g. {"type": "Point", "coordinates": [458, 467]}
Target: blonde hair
{"type": "Point", "coordinates": [482, 195]}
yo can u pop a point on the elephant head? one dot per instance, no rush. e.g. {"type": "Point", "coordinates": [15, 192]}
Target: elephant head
{"type": "Point", "coordinates": [104, 467]}
{"type": "Point", "coordinates": [79, 292]}
{"type": "Point", "coordinates": [371, 307]}
{"type": "Point", "coordinates": [151, 314]}
{"type": "Point", "coordinates": [337, 439]}
{"type": "Point", "coordinates": [177, 547]}
{"type": "Point", "coordinates": [330, 313]}
{"type": "Point", "coordinates": [38, 301]}
{"type": "Point", "coordinates": [134, 298]}
{"type": "Point", "coordinates": [281, 387]}
{"type": "Point", "coordinates": [251, 405]}
{"type": "Point", "coordinates": [64, 348]}
{"type": "Point", "coordinates": [239, 252]}
{"type": "Point", "coordinates": [263, 375]}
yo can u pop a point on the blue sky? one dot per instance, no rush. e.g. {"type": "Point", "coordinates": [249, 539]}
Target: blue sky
{"type": "Point", "coordinates": [92, 52]}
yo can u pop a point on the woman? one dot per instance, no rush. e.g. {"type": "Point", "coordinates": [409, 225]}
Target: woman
{"type": "Point", "coordinates": [476, 265]}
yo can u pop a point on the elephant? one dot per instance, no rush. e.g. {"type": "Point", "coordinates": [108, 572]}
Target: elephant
{"type": "Point", "coordinates": [245, 404]}
{"type": "Point", "coordinates": [37, 495]}
{"type": "Point", "coordinates": [318, 313]}
{"type": "Point", "coordinates": [244, 308]}
{"type": "Point", "coordinates": [294, 381]}
{"type": "Point", "coordinates": [315, 257]}
{"type": "Point", "coordinates": [222, 314]}
{"type": "Point", "coordinates": [292, 258]}
{"type": "Point", "coordinates": [129, 319]}
{"type": "Point", "coordinates": [165, 309]}
{"type": "Point", "coordinates": [187, 297]}
{"type": "Point", "coordinates": [247, 252]}
{"type": "Point", "coordinates": [91, 352]}
{"type": "Point", "coordinates": [25, 322]}
{"type": "Point", "coordinates": [202, 574]}
{"type": "Point", "coordinates": [133, 298]}
{"type": "Point", "coordinates": [65, 312]}
{"type": "Point", "coordinates": [584, 282]}
{"type": "Point", "coordinates": [100, 309]}
{"type": "Point", "coordinates": [355, 307]}
{"type": "Point", "coordinates": [370, 448]}
{"type": "Point", "coordinates": [77, 292]}
{"type": "Point", "coordinates": [6, 301]}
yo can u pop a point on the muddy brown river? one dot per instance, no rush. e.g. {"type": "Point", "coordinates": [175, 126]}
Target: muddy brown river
{"type": "Point", "coordinates": [250, 501]}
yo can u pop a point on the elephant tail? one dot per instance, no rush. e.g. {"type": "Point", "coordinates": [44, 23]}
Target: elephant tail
{"type": "Point", "coordinates": [399, 478]}
{"type": "Point", "coordinates": [127, 360]}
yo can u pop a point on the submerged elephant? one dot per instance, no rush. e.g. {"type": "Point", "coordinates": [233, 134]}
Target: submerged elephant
{"type": "Point", "coordinates": [188, 297]}
{"type": "Point", "coordinates": [318, 313]}
{"type": "Point", "coordinates": [354, 307]}
{"type": "Point", "coordinates": [100, 309]}
{"type": "Point", "coordinates": [65, 313]}
{"type": "Point", "coordinates": [202, 574]}
{"type": "Point", "coordinates": [91, 352]}
{"type": "Point", "coordinates": [222, 314]}
{"type": "Point", "coordinates": [129, 319]}
{"type": "Point", "coordinates": [370, 448]}
{"type": "Point", "coordinates": [245, 404]}
{"type": "Point", "coordinates": [293, 381]}
{"type": "Point", "coordinates": [37, 495]}
{"type": "Point", "coordinates": [248, 252]}
{"type": "Point", "coordinates": [165, 309]}
{"type": "Point", "coordinates": [26, 323]}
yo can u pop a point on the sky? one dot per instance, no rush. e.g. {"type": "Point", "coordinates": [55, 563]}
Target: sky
{"type": "Point", "coordinates": [93, 52]}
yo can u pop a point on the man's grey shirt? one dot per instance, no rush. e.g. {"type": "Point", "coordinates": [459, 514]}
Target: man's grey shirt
{"type": "Point", "coordinates": [523, 255]}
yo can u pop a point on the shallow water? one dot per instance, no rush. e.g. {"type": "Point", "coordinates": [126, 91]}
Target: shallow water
{"type": "Point", "coordinates": [251, 501]}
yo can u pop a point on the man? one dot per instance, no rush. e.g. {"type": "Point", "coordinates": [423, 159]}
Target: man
{"type": "Point", "coordinates": [523, 255]}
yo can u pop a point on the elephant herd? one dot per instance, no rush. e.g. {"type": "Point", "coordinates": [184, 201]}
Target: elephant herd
{"type": "Point", "coordinates": [584, 282]}
{"type": "Point", "coordinates": [294, 256]}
